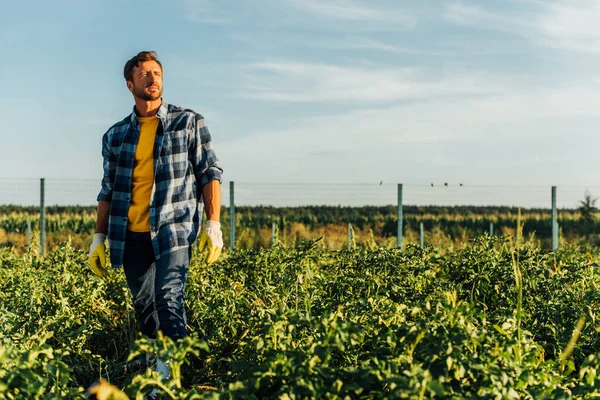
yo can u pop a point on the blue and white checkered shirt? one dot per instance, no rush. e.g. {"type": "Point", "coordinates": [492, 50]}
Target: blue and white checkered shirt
{"type": "Point", "coordinates": [184, 161]}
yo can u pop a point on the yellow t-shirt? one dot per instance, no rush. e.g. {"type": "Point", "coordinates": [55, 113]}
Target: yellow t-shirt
{"type": "Point", "coordinates": [142, 179]}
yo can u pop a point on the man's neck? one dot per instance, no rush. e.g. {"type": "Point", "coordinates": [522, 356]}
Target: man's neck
{"type": "Point", "coordinates": [146, 108]}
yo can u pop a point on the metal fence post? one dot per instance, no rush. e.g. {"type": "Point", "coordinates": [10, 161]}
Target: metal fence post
{"type": "Point", "coordinates": [349, 237]}
{"type": "Point", "coordinates": [554, 220]}
{"type": "Point", "coordinates": [491, 229]}
{"type": "Point", "coordinates": [422, 235]}
{"type": "Point", "coordinates": [231, 216]}
{"type": "Point", "coordinates": [42, 219]}
{"type": "Point", "coordinates": [273, 233]}
{"type": "Point", "coordinates": [399, 240]}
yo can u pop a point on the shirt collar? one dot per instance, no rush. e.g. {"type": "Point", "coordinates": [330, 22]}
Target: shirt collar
{"type": "Point", "coordinates": [163, 110]}
{"type": "Point", "coordinates": [161, 113]}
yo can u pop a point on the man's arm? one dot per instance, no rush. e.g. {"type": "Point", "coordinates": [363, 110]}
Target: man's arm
{"type": "Point", "coordinates": [212, 237]}
{"type": "Point", "coordinates": [102, 217]}
{"type": "Point", "coordinates": [109, 165]}
{"type": "Point", "coordinates": [208, 179]}
{"type": "Point", "coordinates": [97, 256]}
{"type": "Point", "coordinates": [206, 168]}
{"type": "Point", "coordinates": [211, 195]}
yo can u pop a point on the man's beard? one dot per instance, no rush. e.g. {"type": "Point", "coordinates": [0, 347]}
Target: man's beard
{"type": "Point", "coordinates": [139, 92]}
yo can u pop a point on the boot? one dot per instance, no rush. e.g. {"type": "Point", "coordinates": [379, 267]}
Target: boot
{"type": "Point", "coordinates": [163, 367]}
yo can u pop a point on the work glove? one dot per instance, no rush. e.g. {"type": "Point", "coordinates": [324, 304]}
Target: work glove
{"type": "Point", "coordinates": [97, 257]}
{"type": "Point", "coordinates": [212, 239]}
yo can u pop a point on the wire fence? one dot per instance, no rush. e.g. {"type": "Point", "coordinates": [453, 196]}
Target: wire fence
{"type": "Point", "coordinates": [61, 192]}
{"type": "Point", "coordinates": [356, 195]}
{"type": "Point", "coordinates": [546, 201]}
{"type": "Point", "coordinates": [83, 192]}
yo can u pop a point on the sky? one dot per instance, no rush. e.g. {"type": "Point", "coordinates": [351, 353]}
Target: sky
{"type": "Point", "coordinates": [316, 91]}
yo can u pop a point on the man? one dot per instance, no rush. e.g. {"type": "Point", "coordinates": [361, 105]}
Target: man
{"type": "Point", "coordinates": [158, 164]}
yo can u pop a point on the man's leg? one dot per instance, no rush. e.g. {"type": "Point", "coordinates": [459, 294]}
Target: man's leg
{"type": "Point", "coordinates": [157, 287]}
{"type": "Point", "coordinates": [140, 272]}
{"type": "Point", "coordinates": [170, 278]}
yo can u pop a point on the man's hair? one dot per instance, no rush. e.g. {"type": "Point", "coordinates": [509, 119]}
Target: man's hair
{"type": "Point", "coordinates": [141, 57]}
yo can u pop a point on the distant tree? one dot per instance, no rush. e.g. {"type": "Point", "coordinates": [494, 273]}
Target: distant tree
{"type": "Point", "coordinates": [587, 207]}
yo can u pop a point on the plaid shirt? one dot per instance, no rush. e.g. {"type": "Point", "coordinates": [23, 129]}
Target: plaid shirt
{"type": "Point", "coordinates": [184, 161]}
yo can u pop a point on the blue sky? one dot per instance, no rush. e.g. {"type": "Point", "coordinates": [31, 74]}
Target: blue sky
{"type": "Point", "coordinates": [317, 91]}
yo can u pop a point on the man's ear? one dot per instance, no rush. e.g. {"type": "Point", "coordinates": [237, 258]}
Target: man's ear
{"type": "Point", "coordinates": [130, 86]}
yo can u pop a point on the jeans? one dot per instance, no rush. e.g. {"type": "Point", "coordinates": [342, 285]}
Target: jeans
{"type": "Point", "coordinates": [157, 286]}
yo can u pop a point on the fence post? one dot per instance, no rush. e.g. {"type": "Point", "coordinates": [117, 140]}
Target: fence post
{"type": "Point", "coordinates": [349, 237]}
{"type": "Point", "coordinates": [491, 229]}
{"type": "Point", "coordinates": [399, 240]}
{"type": "Point", "coordinates": [273, 234]}
{"type": "Point", "coordinates": [554, 221]}
{"type": "Point", "coordinates": [42, 219]}
{"type": "Point", "coordinates": [231, 216]}
{"type": "Point", "coordinates": [422, 229]}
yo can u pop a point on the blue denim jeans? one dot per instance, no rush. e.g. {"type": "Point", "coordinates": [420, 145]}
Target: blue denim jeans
{"type": "Point", "coordinates": [157, 286]}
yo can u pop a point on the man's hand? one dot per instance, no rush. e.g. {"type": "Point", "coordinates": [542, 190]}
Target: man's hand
{"type": "Point", "coordinates": [212, 238]}
{"type": "Point", "coordinates": [97, 257]}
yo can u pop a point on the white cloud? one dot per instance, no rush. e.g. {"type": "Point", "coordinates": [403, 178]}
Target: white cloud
{"type": "Point", "coordinates": [352, 11]}
{"type": "Point", "coordinates": [203, 11]}
{"type": "Point", "coordinates": [475, 16]}
{"type": "Point", "coordinates": [369, 44]}
{"type": "Point", "coordinates": [571, 24]}
{"type": "Point", "coordinates": [364, 43]}
{"type": "Point", "coordinates": [526, 134]}
{"type": "Point", "coordinates": [309, 82]}
{"type": "Point", "coordinates": [357, 14]}
{"type": "Point", "coordinates": [566, 24]}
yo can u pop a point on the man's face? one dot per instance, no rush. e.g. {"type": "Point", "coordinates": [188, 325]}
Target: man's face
{"type": "Point", "coordinates": [147, 81]}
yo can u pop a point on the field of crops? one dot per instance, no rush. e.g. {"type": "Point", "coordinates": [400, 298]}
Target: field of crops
{"type": "Point", "coordinates": [489, 320]}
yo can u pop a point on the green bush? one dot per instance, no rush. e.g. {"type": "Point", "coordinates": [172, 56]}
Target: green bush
{"type": "Point", "coordinates": [486, 321]}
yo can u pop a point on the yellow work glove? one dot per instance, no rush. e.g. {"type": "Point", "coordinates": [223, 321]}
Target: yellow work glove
{"type": "Point", "coordinates": [212, 239]}
{"type": "Point", "coordinates": [97, 256]}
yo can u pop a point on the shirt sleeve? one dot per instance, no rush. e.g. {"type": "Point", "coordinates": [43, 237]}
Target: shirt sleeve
{"type": "Point", "coordinates": [110, 168]}
{"type": "Point", "coordinates": [202, 155]}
